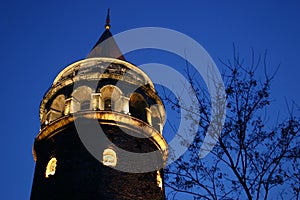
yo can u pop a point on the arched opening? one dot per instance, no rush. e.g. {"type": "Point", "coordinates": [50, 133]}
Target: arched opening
{"type": "Point", "coordinates": [81, 99]}
{"type": "Point", "coordinates": [137, 106]}
{"type": "Point", "coordinates": [156, 118]}
{"type": "Point", "coordinates": [111, 98]}
{"type": "Point", "coordinates": [56, 108]}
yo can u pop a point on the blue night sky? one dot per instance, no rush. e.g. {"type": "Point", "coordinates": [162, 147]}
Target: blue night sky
{"type": "Point", "coordinates": [40, 38]}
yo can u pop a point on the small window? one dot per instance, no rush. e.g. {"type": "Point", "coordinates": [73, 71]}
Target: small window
{"type": "Point", "coordinates": [109, 158]}
{"type": "Point", "coordinates": [51, 167]}
{"type": "Point", "coordinates": [159, 180]}
{"type": "Point", "coordinates": [108, 104]}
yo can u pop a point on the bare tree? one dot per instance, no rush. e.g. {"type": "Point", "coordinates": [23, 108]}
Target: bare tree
{"type": "Point", "coordinates": [255, 157]}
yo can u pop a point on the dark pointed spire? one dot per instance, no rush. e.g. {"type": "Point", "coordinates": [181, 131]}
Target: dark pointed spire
{"type": "Point", "coordinates": [106, 46]}
{"type": "Point", "coordinates": [107, 25]}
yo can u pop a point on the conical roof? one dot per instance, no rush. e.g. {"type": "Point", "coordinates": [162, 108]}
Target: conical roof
{"type": "Point", "coordinates": [106, 46]}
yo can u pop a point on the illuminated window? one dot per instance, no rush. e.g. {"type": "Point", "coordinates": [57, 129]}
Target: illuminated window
{"type": "Point", "coordinates": [159, 180]}
{"type": "Point", "coordinates": [111, 98]}
{"type": "Point", "coordinates": [51, 167]}
{"type": "Point", "coordinates": [109, 158]}
{"type": "Point", "coordinates": [81, 98]}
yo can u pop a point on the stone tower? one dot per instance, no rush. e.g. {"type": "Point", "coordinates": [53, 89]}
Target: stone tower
{"type": "Point", "coordinates": [101, 131]}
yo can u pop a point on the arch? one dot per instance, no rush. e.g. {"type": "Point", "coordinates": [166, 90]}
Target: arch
{"type": "Point", "coordinates": [57, 108]}
{"type": "Point", "coordinates": [156, 117]}
{"type": "Point", "coordinates": [137, 106]}
{"type": "Point", "coordinates": [81, 99]}
{"type": "Point", "coordinates": [58, 103]}
{"type": "Point", "coordinates": [111, 98]}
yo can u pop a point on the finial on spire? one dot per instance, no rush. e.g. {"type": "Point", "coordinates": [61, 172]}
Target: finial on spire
{"type": "Point", "coordinates": [107, 25]}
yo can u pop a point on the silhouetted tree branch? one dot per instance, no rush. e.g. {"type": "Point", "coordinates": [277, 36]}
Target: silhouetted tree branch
{"type": "Point", "coordinates": [253, 157]}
